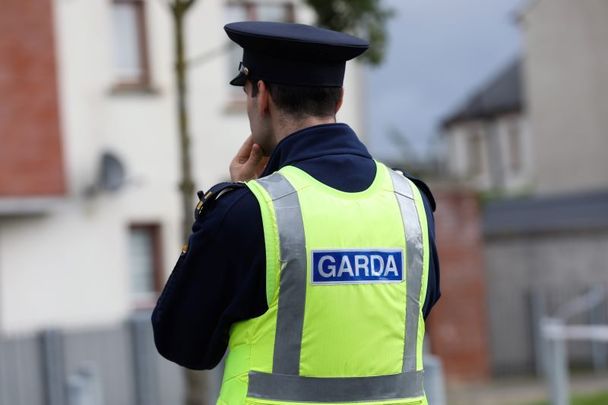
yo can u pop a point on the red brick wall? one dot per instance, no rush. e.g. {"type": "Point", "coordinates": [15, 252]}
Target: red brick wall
{"type": "Point", "coordinates": [30, 143]}
{"type": "Point", "coordinates": [458, 323]}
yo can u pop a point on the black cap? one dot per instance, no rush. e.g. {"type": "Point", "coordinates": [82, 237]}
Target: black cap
{"type": "Point", "coordinates": [293, 54]}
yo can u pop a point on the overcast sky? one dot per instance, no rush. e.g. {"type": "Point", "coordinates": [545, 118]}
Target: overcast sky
{"type": "Point", "coordinates": [439, 52]}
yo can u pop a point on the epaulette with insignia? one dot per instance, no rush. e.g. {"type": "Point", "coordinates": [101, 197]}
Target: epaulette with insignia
{"type": "Point", "coordinates": [206, 199]}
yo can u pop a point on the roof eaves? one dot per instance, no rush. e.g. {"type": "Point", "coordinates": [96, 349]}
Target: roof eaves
{"type": "Point", "coordinates": [501, 94]}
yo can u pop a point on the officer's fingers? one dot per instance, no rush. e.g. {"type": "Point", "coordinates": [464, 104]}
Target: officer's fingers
{"type": "Point", "coordinates": [261, 165]}
{"type": "Point", "coordinates": [255, 156]}
{"type": "Point", "coordinates": [245, 150]}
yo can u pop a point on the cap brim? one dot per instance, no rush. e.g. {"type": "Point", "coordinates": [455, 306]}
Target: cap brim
{"type": "Point", "coordinates": [239, 80]}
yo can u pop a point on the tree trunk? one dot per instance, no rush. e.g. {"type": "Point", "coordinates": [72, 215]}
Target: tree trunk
{"type": "Point", "coordinates": [186, 184]}
{"type": "Point", "coordinates": [197, 382]}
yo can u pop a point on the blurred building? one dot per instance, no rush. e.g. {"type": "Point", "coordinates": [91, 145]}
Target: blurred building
{"type": "Point", "coordinates": [489, 147]}
{"type": "Point", "coordinates": [514, 134]}
{"type": "Point", "coordinates": [89, 202]}
{"type": "Point", "coordinates": [566, 66]}
{"type": "Point", "coordinates": [538, 132]}
{"type": "Point", "coordinates": [540, 253]}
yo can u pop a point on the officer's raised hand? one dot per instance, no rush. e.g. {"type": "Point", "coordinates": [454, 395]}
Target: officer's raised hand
{"type": "Point", "coordinates": [249, 162]}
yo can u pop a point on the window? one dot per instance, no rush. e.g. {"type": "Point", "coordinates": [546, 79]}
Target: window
{"type": "Point", "coordinates": [514, 137]}
{"type": "Point", "coordinates": [130, 46]}
{"type": "Point", "coordinates": [260, 11]}
{"type": "Point", "coordinates": [255, 11]}
{"type": "Point", "coordinates": [144, 263]}
{"type": "Point", "coordinates": [475, 152]}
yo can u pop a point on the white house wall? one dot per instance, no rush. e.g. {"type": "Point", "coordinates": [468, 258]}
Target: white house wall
{"type": "Point", "coordinates": [459, 154]}
{"type": "Point", "coordinates": [69, 268]}
{"type": "Point", "coordinates": [566, 67]}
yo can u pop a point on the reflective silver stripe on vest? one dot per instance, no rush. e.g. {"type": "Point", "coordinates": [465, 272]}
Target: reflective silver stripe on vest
{"type": "Point", "coordinates": [292, 291]}
{"type": "Point", "coordinates": [313, 389]}
{"type": "Point", "coordinates": [414, 266]}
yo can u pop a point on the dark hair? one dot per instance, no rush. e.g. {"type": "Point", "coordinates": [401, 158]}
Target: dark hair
{"type": "Point", "coordinates": [301, 101]}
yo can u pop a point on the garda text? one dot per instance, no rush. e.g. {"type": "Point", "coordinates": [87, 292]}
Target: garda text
{"type": "Point", "coordinates": [357, 266]}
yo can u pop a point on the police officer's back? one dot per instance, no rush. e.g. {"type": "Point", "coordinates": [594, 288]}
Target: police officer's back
{"type": "Point", "coordinates": [321, 268]}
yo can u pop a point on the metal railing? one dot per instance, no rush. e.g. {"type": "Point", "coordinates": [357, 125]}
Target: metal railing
{"type": "Point", "coordinates": [116, 365]}
{"type": "Point", "coordinates": [556, 332]}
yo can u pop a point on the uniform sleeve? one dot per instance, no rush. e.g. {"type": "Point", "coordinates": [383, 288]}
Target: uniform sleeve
{"type": "Point", "coordinates": [433, 291]}
{"type": "Point", "coordinates": [219, 280]}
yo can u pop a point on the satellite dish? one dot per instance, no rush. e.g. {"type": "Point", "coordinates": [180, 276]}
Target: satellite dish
{"type": "Point", "coordinates": [111, 175]}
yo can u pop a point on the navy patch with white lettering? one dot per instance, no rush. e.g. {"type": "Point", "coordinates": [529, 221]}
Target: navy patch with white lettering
{"type": "Point", "coordinates": [357, 266]}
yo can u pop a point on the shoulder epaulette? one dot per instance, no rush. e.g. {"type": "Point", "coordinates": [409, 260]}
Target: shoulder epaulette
{"type": "Point", "coordinates": [206, 199]}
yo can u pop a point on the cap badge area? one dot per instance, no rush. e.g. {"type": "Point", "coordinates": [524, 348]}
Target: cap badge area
{"type": "Point", "coordinates": [243, 69]}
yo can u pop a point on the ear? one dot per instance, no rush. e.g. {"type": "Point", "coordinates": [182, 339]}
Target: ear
{"type": "Point", "coordinates": [340, 100]}
{"type": "Point", "coordinates": [263, 97]}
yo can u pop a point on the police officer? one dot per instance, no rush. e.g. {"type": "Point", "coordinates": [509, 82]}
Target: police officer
{"type": "Point", "coordinates": [317, 265]}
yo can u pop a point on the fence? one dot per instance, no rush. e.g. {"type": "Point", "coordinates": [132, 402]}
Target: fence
{"type": "Point", "coordinates": [555, 333]}
{"type": "Point", "coordinates": [556, 303]}
{"type": "Point", "coordinates": [111, 366]}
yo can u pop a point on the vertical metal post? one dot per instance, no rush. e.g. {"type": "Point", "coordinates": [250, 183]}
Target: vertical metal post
{"type": "Point", "coordinates": [4, 400]}
{"type": "Point", "coordinates": [553, 332]}
{"type": "Point", "coordinates": [434, 385]}
{"type": "Point", "coordinates": [84, 386]}
{"type": "Point", "coordinates": [53, 367]}
{"type": "Point", "coordinates": [144, 362]}
{"type": "Point", "coordinates": [599, 352]}
{"type": "Point", "coordinates": [538, 312]}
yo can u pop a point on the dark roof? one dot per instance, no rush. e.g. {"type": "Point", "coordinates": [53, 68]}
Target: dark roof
{"type": "Point", "coordinates": [500, 95]}
{"type": "Point", "coordinates": [580, 212]}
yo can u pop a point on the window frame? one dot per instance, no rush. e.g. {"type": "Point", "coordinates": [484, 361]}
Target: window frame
{"type": "Point", "coordinates": [144, 80]}
{"type": "Point", "coordinates": [251, 8]}
{"type": "Point", "coordinates": [514, 140]}
{"type": "Point", "coordinates": [155, 230]}
{"type": "Point", "coordinates": [475, 150]}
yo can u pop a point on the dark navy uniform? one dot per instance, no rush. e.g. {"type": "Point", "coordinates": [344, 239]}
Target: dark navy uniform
{"type": "Point", "coordinates": [220, 278]}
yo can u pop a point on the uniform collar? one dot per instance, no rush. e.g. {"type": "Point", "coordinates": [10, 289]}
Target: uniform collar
{"type": "Point", "coordinates": [314, 142]}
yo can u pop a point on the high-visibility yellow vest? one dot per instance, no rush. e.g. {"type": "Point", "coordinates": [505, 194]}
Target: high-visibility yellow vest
{"type": "Point", "coordinates": [346, 276]}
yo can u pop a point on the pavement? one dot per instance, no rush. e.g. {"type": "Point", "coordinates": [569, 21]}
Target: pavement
{"type": "Point", "coordinates": [520, 391]}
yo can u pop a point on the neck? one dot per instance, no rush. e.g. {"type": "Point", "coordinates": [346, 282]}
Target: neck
{"type": "Point", "coordinates": [285, 127]}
